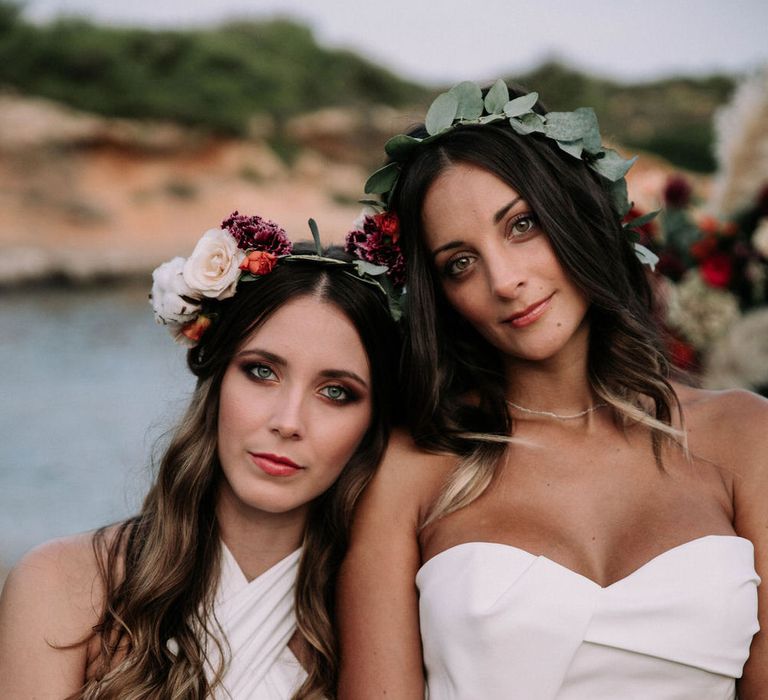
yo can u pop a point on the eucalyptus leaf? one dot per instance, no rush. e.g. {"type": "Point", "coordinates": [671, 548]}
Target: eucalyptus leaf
{"type": "Point", "coordinates": [248, 277]}
{"type": "Point", "coordinates": [591, 133]}
{"type": "Point", "coordinates": [488, 118]}
{"type": "Point", "coordinates": [441, 113]}
{"type": "Point", "coordinates": [572, 148]}
{"type": "Point", "coordinates": [401, 146]}
{"type": "Point", "coordinates": [470, 98]}
{"type": "Point", "coordinates": [383, 180]}
{"type": "Point", "coordinates": [315, 236]}
{"type": "Point", "coordinates": [529, 123]}
{"type": "Point", "coordinates": [612, 166]}
{"type": "Point", "coordinates": [367, 268]}
{"type": "Point", "coordinates": [521, 105]}
{"type": "Point", "coordinates": [646, 257]}
{"type": "Point", "coordinates": [496, 97]}
{"type": "Point", "coordinates": [642, 220]}
{"type": "Point", "coordinates": [568, 126]}
{"type": "Point", "coordinates": [619, 197]}
{"type": "Point", "coordinates": [370, 203]}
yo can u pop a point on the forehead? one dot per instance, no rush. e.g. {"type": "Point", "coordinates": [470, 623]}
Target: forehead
{"type": "Point", "coordinates": [460, 195]}
{"type": "Point", "coordinates": [313, 333]}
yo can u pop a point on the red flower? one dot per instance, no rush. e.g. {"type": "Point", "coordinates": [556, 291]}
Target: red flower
{"type": "Point", "coordinates": [682, 354]}
{"type": "Point", "coordinates": [255, 233]}
{"type": "Point", "coordinates": [717, 270]}
{"type": "Point", "coordinates": [377, 243]}
{"type": "Point", "coordinates": [259, 262]}
{"type": "Point", "coordinates": [704, 247]}
{"type": "Point", "coordinates": [677, 192]}
{"type": "Point", "coordinates": [194, 330]}
{"type": "Point", "coordinates": [388, 224]}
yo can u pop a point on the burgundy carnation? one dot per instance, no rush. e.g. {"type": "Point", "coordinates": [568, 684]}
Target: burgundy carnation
{"type": "Point", "coordinates": [677, 192]}
{"type": "Point", "coordinates": [377, 244]}
{"type": "Point", "coordinates": [255, 233]}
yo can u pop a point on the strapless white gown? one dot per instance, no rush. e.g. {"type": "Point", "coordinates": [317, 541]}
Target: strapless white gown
{"type": "Point", "coordinates": [499, 622]}
{"type": "Point", "coordinates": [258, 620]}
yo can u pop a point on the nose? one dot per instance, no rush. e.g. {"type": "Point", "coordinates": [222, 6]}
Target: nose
{"type": "Point", "coordinates": [286, 418]}
{"type": "Point", "coordinates": [506, 274]}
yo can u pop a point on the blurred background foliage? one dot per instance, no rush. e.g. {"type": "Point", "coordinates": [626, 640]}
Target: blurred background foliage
{"type": "Point", "coordinates": [219, 78]}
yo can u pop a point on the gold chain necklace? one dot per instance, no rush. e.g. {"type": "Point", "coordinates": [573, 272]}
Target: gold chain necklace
{"type": "Point", "coordinates": [557, 416]}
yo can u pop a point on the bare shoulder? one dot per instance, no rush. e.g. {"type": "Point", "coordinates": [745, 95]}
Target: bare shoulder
{"type": "Point", "coordinates": [409, 477]}
{"type": "Point", "coordinates": [731, 425]}
{"type": "Point", "coordinates": [51, 601]}
{"type": "Point", "coordinates": [62, 576]}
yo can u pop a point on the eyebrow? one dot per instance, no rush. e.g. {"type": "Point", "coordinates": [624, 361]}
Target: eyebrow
{"type": "Point", "coordinates": [276, 359]}
{"type": "Point", "coordinates": [498, 216]}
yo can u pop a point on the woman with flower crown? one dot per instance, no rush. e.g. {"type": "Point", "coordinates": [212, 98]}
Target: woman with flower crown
{"type": "Point", "coordinates": [564, 521]}
{"type": "Point", "coordinates": [223, 585]}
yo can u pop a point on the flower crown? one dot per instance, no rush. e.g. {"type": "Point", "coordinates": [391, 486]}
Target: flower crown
{"type": "Point", "coordinates": [186, 292]}
{"type": "Point", "coordinates": [577, 133]}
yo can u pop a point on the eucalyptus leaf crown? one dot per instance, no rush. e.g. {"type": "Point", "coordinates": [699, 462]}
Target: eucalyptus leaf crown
{"type": "Point", "coordinates": [576, 133]}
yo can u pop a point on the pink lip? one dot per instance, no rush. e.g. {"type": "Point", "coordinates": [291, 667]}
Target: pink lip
{"type": "Point", "coordinates": [531, 314]}
{"type": "Point", "coordinates": [275, 465]}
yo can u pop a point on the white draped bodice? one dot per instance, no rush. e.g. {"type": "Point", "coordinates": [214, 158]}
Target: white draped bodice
{"type": "Point", "coordinates": [257, 619]}
{"type": "Point", "coordinates": [499, 622]}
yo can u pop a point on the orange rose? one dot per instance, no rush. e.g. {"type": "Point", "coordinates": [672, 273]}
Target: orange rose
{"type": "Point", "coordinates": [194, 330]}
{"type": "Point", "coordinates": [259, 262]}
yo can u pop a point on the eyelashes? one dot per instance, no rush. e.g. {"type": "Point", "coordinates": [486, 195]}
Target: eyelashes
{"type": "Point", "coordinates": [336, 393]}
{"type": "Point", "coordinates": [519, 228]}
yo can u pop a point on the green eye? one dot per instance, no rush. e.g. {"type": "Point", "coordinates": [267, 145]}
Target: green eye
{"type": "Point", "coordinates": [261, 372]}
{"type": "Point", "coordinates": [336, 393]}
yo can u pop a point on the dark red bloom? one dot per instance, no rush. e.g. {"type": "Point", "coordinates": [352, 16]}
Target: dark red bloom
{"type": "Point", "coordinates": [677, 192]}
{"type": "Point", "coordinates": [388, 224]}
{"type": "Point", "coordinates": [704, 247]}
{"type": "Point", "coordinates": [255, 233]}
{"type": "Point", "coordinates": [717, 270]}
{"type": "Point", "coordinates": [377, 243]}
{"type": "Point", "coordinates": [682, 354]}
{"type": "Point", "coordinates": [670, 265]}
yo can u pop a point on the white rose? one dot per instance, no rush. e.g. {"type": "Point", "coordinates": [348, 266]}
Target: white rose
{"type": "Point", "coordinates": [214, 266]}
{"type": "Point", "coordinates": [168, 294]}
{"type": "Point", "coordinates": [760, 237]}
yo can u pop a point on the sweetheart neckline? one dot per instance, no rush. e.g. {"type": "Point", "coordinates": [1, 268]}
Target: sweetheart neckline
{"type": "Point", "coordinates": [640, 568]}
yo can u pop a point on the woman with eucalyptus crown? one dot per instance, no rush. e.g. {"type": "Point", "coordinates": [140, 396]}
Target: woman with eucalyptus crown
{"type": "Point", "coordinates": [565, 522]}
{"type": "Point", "coordinates": [223, 585]}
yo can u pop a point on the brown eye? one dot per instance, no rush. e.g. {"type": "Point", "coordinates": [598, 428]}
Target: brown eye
{"type": "Point", "coordinates": [522, 225]}
{"type": "Point", "coordinates": [458, 265]}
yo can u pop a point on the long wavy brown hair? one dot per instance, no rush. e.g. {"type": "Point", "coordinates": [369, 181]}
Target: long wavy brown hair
{"type": "Point", "coordinates": [160, 568]}
{"type": "Point", "coordinates": [446, 360]}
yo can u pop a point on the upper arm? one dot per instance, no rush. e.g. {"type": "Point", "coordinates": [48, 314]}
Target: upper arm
{"type": "Point", "coordinates": [47, 603]}
{"type": "Point", "coordinates": [751, 521]}
{"type": "Point", "coordinates": [377, 598]}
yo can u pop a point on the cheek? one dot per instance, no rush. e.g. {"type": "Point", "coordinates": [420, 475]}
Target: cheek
{"type": "Point", "coordinates": [347, 437]}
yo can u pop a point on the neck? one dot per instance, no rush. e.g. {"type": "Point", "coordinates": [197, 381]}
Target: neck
{"type": "Point", "coordinates": [559, 384]}
{"type": "Point", "coordinates": [257, 539]}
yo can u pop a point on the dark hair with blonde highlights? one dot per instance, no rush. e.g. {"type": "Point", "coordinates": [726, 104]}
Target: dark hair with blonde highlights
{"type": "Point", "coordinates": [447, 360]}
{"type": "Point", "coordinates": [160, 568]}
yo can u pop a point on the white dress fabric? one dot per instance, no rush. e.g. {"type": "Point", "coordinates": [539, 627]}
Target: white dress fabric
{"type": "Point", "coordinates": [499, 622]}
{"type": "Point", "coordinates": [257, 618]}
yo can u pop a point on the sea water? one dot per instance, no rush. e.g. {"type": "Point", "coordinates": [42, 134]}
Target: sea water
{"type": "Point", "coordinates": [89, 385]}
